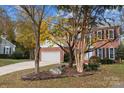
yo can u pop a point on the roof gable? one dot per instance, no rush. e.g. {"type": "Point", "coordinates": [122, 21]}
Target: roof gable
{"type": "Point", "coordinates": [4, 40]}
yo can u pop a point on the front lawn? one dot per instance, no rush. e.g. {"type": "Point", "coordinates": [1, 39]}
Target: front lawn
{"type": "Point", "coordinates": [4, 62]}
{"type": "Point", "coordinates": [108, 76]}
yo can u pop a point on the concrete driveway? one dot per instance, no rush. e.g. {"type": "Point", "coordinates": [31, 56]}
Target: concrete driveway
{"type": "Point", "coordinates": [20, 66]}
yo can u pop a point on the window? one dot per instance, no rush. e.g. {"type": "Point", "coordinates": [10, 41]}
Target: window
{"type": "Point", "coordinates": [10, 51]}
{"type": "Point", "coordinates": [111, 53]}
{"type": "Point", "coordinates": [111, 34]}
{"type": "Point", "coordinates": [6, 50]}
{"type": "Point", "coordinates": [99, 35]}
{"type": "Point", "coordinates": [100, 52]}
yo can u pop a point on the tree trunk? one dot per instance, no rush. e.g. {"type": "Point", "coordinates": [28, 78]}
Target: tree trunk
{"type": "Point", "coordinates": [71, 58]}
{"type": "Point", "coordinates": [37, 55]}
{"type": "Point", "coordinates": [79, 54]}
{"type": "Point", "coordinates": [79, 62]}
{"type": "Point", "coordinates": [82, 43]}
{"type": "Point", "coordinates": [37, 60]}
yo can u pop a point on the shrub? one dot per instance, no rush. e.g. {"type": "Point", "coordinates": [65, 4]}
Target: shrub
{"type": "Point", "coordinates": [93, 65]}
{"type": "Point", "coordinates": [5, 56]}
{"type": "Point", "coordinates": [66, 57]}
{"type": "Point", "coordinates": [94, 59]}
{"type": "Point", "coordinates": [107, 61]}
{"type": "Point", "coordinates": [86, 67]}
{"type": "Point", "coordinates": [19, 54]}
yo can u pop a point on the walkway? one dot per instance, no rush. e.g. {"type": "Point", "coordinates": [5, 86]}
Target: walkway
{"type": "Point", "coordinates": [20, 66]}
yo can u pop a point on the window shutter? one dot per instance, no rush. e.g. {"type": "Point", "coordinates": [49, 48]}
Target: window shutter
{"type": "Point", "coordinates": [106, 34]}
{"type": "Point", "coordinates": [107, 52]}
{"type": "Point", "coordinates": [115, 34]}
{"type": "Point", "coordinates": [4, 50]}
{"type": "Point", "coordinates": [10, 50]}
{"type": "Point", "coordinates": [102, 34]}
{"type": "Point", "coordinates": [115, 53]}
{"type": "Point", "coordinates": [96, 52]}
{"type": "Point", "coordinates": [103, 52]}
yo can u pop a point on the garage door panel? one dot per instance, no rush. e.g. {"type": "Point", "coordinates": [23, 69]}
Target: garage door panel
{"type": "Point", "coordinates": [50, 56]}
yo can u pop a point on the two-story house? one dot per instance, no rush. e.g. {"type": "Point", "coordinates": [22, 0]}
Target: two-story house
{"type": "Point", "coordinates": [107, 41]}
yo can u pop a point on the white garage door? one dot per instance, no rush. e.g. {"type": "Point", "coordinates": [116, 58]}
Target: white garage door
{"type": "Point", "coordinates": [50, 57]}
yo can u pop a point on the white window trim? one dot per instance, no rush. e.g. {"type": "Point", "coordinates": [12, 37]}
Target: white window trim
{"type": "Point", "coordinates": [101, 34]}
{"type": "Point", "coordinates": [113, 54]}
{"type": "Point", "coordinates": [7, 51]}
{"type": "Point", "coordinates": [109, 33]}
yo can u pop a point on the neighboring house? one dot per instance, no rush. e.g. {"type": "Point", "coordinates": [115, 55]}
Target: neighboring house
{"type": "Point", "coordinates": [6, 47]}
{"type": "Point", "coordinates": [106, 44]}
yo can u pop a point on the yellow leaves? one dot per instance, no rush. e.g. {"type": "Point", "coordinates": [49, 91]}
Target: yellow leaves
{"type": "Point", "coordinates": [25, 34]}
{"type": "Point", "coordinates": [26, 38]}
{"type": "Point", "coordinates": [44, 31]}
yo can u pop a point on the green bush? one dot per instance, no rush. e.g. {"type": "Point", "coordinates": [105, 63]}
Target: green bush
{"type": "Point", "coordinates": [91, 66]}
{"type": "Point", "coordinates": [107, 61]}
{"type": "Point", "coordinates": [19, 54]}
{"type": "Point", "coordinates": [5, 56]}
{"type": "Point", "coordinates": [66, 57]}
{"type": "Point", "coordinates": [94, 59]}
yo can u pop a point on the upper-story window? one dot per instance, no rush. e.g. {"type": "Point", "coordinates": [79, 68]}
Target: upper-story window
{"type": "Point", "coordinates": [111, 34]}
{"type": "Point", "coordinates": [99, 35]}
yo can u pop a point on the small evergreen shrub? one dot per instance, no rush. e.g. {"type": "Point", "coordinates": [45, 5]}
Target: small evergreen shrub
{"type": "Point", "coordinates": [94, 59]}
{"type": "Point", "coordinates": [19, 54]}
{"type": "Point", "coordinates": [93, 65]}
{"type": "Point", "coordinates": [5, 56]}
{"type": "Point", "coordinates": [107, 61]}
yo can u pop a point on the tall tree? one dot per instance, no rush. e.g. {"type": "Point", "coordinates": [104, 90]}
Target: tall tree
{"type": "Point", "coordinates": [84, 19]}
{"type": "Point", "coordinates": [25, 35]}
{"type": "Point", "coordinates": [36, 14]}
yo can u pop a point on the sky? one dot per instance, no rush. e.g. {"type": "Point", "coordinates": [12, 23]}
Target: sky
{"type": "Point", "coordinates": [12, 12]}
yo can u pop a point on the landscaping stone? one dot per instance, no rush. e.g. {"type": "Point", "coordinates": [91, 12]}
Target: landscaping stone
{"type": "Point", "coordinates": [57, 71]}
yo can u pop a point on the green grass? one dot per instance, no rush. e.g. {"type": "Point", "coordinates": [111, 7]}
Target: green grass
{"type": "Point", "coordinates": [108, 76]}
{"type": "Point", "coordinates": [4, 62]}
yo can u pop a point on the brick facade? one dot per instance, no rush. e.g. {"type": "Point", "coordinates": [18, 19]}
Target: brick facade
{"type": "Point", "coordinates": [109, 49]}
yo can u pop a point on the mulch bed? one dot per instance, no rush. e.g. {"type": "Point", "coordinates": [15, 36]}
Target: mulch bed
{"type": "Point", "coordinates": [44, 75]}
